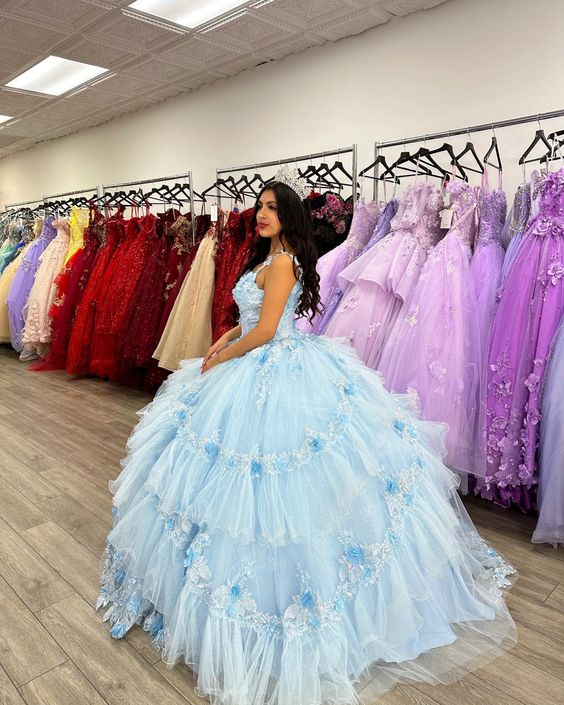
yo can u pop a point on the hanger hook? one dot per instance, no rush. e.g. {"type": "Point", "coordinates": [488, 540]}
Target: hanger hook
{"type": "Point", "coordinates": [539, 122]}
{"type": "Point", "coordinates": [493, 129]}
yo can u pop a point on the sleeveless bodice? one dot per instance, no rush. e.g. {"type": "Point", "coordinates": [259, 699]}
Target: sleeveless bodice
{"type": "Point", "coordinates": [418, 214]}
{"type": "Point", "coordinates": [493, 210]}
{"type": "Point", "coordinates": [550, 220]}
{"type": "Point", "coordinates": [249, 297]}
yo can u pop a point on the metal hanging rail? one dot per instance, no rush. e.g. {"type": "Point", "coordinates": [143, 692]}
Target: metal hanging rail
{"type": "Point", "coordinates": [11, 206]}
{"type": "Point", "coordinates": [351, 149]}
{"type": "Point", "coordinates": [187, 175]}
{"type": "Point", "coordinates": [511, 122]}
{"type": "Point", "coordinates": [159, 179]}
{"type": "Point", "coordinates": [70, 193]}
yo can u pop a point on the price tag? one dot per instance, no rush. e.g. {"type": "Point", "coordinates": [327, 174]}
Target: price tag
{"type": "Point", "coordinates": [446, 218]}
{"type": "Point", "coordinates": [214, 213]}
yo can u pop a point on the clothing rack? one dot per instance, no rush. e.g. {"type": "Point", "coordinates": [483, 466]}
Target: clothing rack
{"type": "Point", "coordinates": [160, 179]}
{"type": "Point", "coordinates": [76, 192]}
{"type": "Point", "coordinates": [510, 122]}
{"type": "Point", "coordinates": [351, 149]}
{"type": "Point", "coordinates": [13, 206]}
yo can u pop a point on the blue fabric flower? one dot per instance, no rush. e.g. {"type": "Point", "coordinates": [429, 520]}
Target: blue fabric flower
{"type": "Point", "coordinates": [394, 538]}
{"type": "Point", "coordinates": [231, 611]}
{"type": "Point", "coordinates": [412, 431]}
{"type": "Point", "coordinates": [306, 600]}
{"type": "Point", "coordinates": [314, 622]}
{"type": "Point", "coordinates": [156, 624]}
{"type": "Point", "coordinates": [191, 399]}
{"type": "Point", "coordinates": [134, 604]}
{"type": "Point", "coordinates": [118, 577]}
{"type": "Point", "coordinates": [391, 486]}
{"type": "Point", "coordinates": [408, 499]}
{"type": "Point", "coordinates": [339, 604]}
{"type": "Point", "coordinates": [419, 462]}
{"type": "Point", "coordinates": [170, 523]}
{"type": "Point", "coordinates": [211, 449]}
{"type": "Point", "coordinates": [180, 415]}
{"type": "Point", "coordinates": [256, 469]}
{"type": "Point", "coordinates": [191, 556]}
{"type": "Point", "coordinates": [235, 591]}
{"type": "Point", "coordinates": [317, 443]}
{"type": "Point", "coordinates": [355, 555]}
{"type": "Point", "coordinates": [118, 630]}
{"type": "Point", "coordinates": [399, 426]}
{"type": "Point", "coordinates": [262, 357]}
{"type": "Point", "coordinates": [115, 513]}
{"type": "Point", "coordinates": [349, 388]}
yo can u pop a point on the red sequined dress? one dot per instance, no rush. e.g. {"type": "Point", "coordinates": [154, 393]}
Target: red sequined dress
{"type": "Point", "coordinates": [224, 309]}
{"type": "Point", "coordinates": [140, 239]}
{"type": "Point", "coordinates": [79, 350]}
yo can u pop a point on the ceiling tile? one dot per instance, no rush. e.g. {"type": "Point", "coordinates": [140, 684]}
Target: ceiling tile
{"type": "Point", "coordinates": [99, 53]}
{"type": "Point", "coordinates": [150, 62]}
{"type": "Point", "coordinates": [67, 15]}
{"type": "Point", "coordinates": [126, 32]}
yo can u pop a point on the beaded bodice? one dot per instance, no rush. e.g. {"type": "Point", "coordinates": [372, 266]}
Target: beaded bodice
{"type": "Point", "coordinates": [418, 214]}
{"type": "Point", "coordinates": [550, 220]}
{"type": "Point", "coordinates": [362, 226]}
{"type": "Point", "coordinates": [249, 297]}
{"type": "Point", "coordinates": [463, 202]}
{"type": "Point", "coordinates": [521, 210]}
{"type": "Point", "coordinates": [493, 211]}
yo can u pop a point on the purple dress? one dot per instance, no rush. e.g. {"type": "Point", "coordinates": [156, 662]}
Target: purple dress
{"type": "Point", "coordinates": [384, 224]}
{"type": "Point", "coordinates": [516, 224]}
{"type": "Point", "coordinates": [23, 281]}
{"type": "Point", "coordinates": [525, 321]}
{"type": "Point", "coordinates": [432, 350]}
{"type": "Point", "coordinates": [550, 526]}
{"type": "Point", "coordinates": [485, 272]}
{"type": "Point", "coordinates": [380, 280]}
{"type": "Point", "coordinates": [333, 262]}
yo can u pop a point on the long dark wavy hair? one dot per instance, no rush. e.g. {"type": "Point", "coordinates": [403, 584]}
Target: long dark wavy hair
{"type": "Point", "coordinates": [295, 219]}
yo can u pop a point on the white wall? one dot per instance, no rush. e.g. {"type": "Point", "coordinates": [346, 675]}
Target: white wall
{"type": "Point", "coordinates": [464, 62]}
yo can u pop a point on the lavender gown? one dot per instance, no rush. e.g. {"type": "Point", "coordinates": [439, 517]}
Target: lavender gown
{"type": "Point", "coordinates": [525, 321]}
{"type": "Point", "coordinates": [432, 350]}
{"type": "Point", "coordinates": [516, 225]}
{"type": "Point", "coordinates": [381, 279]}
{"type": "Point", "coordinates": [23, 281]}
{"type": "Point", "coordinates": [384, 224]}
{"type": "Point", "coordinates": [550, 526]}
{"type": "Point", "coordinates": [328, 267]}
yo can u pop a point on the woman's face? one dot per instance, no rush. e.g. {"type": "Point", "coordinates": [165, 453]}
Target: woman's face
{"type": "Point", "coordinates": [267, 215]}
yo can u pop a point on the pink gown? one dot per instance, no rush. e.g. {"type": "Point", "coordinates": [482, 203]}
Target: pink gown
{"type": "Point", "coordinates": [380, 280]}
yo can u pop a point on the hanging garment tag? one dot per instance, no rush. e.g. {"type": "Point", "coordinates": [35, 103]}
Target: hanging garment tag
{"type": "Point", "coordinates": [214, 213]}
{"type": "Point", "coordinates": [446, 218]}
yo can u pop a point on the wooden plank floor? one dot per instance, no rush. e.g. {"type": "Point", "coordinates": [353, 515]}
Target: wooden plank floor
{"type": "Point", "coordinates": [61, 440]}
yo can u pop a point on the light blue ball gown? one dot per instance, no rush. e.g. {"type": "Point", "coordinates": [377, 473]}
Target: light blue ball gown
{"type": "Point", "coordinates": [286, 526]}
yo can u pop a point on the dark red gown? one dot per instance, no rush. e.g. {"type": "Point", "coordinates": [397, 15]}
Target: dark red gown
{"type": "Point", "coordinates": [79, 349]}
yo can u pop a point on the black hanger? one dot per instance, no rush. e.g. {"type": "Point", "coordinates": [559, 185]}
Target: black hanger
{"type": "Point", "coordinates": [379, 161]}
{"type": "Point", "coordinates": [401, 162]}
{"type": "Point", "coordinates": [539, 137]}
{"type": "Point", "coordinates": [226, 187]}
{"type": "Point", "coordinates": [470, 149]}
{"type": "Point", "coordinates": [445, 148]}
{"type": "Point", "coordinates": [494, 149]}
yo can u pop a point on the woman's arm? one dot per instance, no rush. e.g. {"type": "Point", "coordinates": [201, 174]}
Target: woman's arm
{"type": "Point", "coordinates": [279, 282]}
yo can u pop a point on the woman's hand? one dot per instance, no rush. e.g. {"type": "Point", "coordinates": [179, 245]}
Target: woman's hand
{"type": "Point", "coordinates": [211, 362]}
{"type": "Point", "coordinates": [216, 348]}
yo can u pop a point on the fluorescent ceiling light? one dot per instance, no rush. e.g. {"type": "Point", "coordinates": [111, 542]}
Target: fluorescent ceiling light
{"type": "Point", "coordinates": [3, 118]}
{"type": "Point", "coordinates": [55, 76]}
{"type": "Point", "coordinates": [188, 13]}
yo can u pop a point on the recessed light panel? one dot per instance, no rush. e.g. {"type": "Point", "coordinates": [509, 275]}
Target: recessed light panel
{"type": "Point", "coordinates": [188, 13]}
{"type": "Point", "coordinates": [3, 118]}
{"type": "Point", "coordinates": [55, 76]}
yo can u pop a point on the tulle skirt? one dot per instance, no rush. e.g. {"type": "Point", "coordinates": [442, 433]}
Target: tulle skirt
{"type": "Point", "coordinates": [286, 527]}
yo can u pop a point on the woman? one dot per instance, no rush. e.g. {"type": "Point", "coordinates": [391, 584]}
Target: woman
{"type": "Point", "coordinates": [282, 522]}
